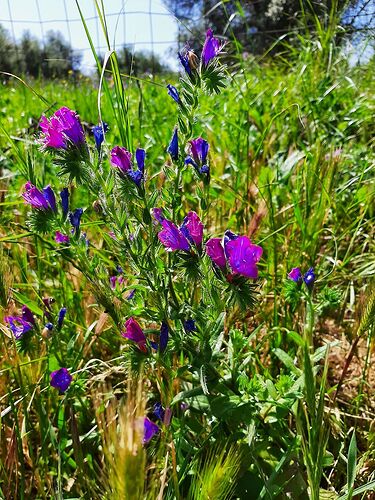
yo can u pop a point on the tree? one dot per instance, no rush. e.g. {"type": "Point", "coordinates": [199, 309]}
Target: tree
{"type": "Point", "coordinates": [254, 24]}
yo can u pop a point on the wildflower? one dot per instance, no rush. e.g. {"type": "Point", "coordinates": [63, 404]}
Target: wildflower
{"type": "Point", "coordinates": [131, 295]}
{"type": "Point", "coordinates": [122, 159]}
{"type": "Point", "coordinates": [41, 200]}
{"type": "Point", "coordinates": [61, 316]}
{"type": "Point", "coordinates": [243, 256]}
{"type": "Point", "coordinates": [184, 60]}
{"type": "Point", "coordinates": [113, 281]}
{"type": "Point", "coordinates": [211, 47]}
{"type": "Point", "coordinates": [99, 131]}
{"type": "Point", "coordinates": [192, 228]}
{"type": "Point", "coordinates": [149, 430]}
{"type": "Point", "coordinates": [215, 251]}
{"type": "Point", "coordinates": [309, 278]}
{"type": "Point", "coordinates": [62, 129]}
{"type": "Point", "coordinates": [18, 326]}
{"type": "Point", "coordinates": [47, 330]}
{"type": "Point", "coordinates": [173, 92]}
{"type": "Point", "coordinates": [159, 411]}
{"type": "Point", "coordinates": [27, 315]}
{"type": "Point", "coordinates": [238, 251]}
{"type": "Point", "coordinates": [64, 195]}
{"type": "Point", "coordinates": [135, 333]}
{"type": "Point", "coordinates": [172, 237]}
{"type": "Point", "coordinates": [61, 379]}
{"type": "Point", "coordinates": [173, 146]}
{"type": "Point", "coordinates": [198, 155]}
{"type": "Point", "coordinates": [164, 335]}
{"type": "Point", "coordinates": [295, 274]}
{"type": "Point", "coordinates": [75, 218]}
{"type": "Point", "coordinates": [189, 325]}
{"type": "Point", "coordinates": [157, 214]}
{"type": "Point", "coordinates": [61, 238]}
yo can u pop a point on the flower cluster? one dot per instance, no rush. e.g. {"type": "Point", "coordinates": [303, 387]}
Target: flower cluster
{"type": "Point", "coordinates": [198, 156]}
{"type": "Point", "coordinates": [40, 200]}
{"type": "Point", "coordinates": [135, 333]}
{"type": "Point", "coordinates": [122, 159]}
{"type": "Point", "coordinates": [308, 278]}
{"type": "Point", "coordinates": [211, 49]}
{"type": "Point", "coordinates": [62, 130]}
{"type": "Point", "coordinates": [185, 237]}
{"type": "Point", "coordinates": [236, 253]}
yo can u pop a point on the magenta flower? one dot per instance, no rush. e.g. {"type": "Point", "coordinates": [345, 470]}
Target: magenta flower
{"type": "Point", "coordinates": [192, 228]}
{"type": "Point", "coordinates": [243, 256]}
{"type": "Point", "coordinates": [41, 200]}
{"type": "Point", "coordinates": [179, 238]}
{"type": "Point", "coordinates": [211, 47]}
{"type": "Point", "coordinates": [295, 274]}
{"type": "Point", "coordinates": [61, 238]}
{"type": "Point", "coordinates": [149, 430]}
{"type": "Point", "coordinates": [215, 251]}
{"type": "Point", "coordinates": [122, 159]}
{"type": "Point", "coordinates": [18, 325]}
{"type": "Point", "coordinates": [172, 237]}
{"type": "Point", "coordinates": [61, 379]}
{"type": "Point", "coordinates": [237, 251]}
{"type": "Point", "coordinates": [198, 155]}
{"type": "Point", "coordinates": [62, 129]}
{"type": "Point", "coordinates": [135, 333]}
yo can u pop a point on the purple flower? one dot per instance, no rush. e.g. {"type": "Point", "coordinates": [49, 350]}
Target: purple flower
{"type": "Point", "coordinates": [295, 274]}
{"type": "Point", "coordinates": [61, 238]}
{"type": "Point", "coordinates": [159, 411]}
{"type": "Point", "coordinates": [62, 129]}
{"type": "Point", "coordinates": [173, 146]}
{"type": "Point", "coordinates": [113, 281]}
{"type": "Point", "coordinates": [215, 251]}
{"type": "Point", "coordinates": [173, 92]}
{"type": "Point", "coordinates": [189, 325]}
{"type": "Point", "coordinates": [157, 214]}
{"type": "Point", "coordinates": [164, 335]}
{"type": "Point", "coordinates": [18, 325]}
{"type": "Point", "coordinates": [135, 333]}
{"type": "Point", "coordinates": [211, 47]}
{"type": "Point", "coordinates": [60, 319]}
{"type": "Point", "coordinates": [61, 379]}
{"type": "Point", "coordinates": [172, 237]}
{"type": "Point", "coordinates": [184, 60]}
{"type": "Point", "coordinates": [309, 278]}
{"type": "Point", "coordinates": [99, 131]}
{"type": "Point", "coordinates": [131, 295]}
{"type": "Point", "coordinates": [149, 430]}
{"type": "Point", "coordinates": [75, 218]}
{"type": "Point", "coordinates": [122, 159]}
{"type": "Point", "coordinates": [49, 326]}
{"type": "Point", "coordinates": [41, 200]}
{"type": "Point", "coordinates": [64, 195]}
{"type": "Point", "coordinates": [192, 228]}
{"type": "Point", "coordinates": [243, 256]}
{"type": "Point", "coordinates": [198, 155]}
{"type": "Point", "coordinates": [27, 315]}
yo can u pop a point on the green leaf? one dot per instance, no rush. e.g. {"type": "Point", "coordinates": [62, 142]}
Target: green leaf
{"type": "Point", "coordinates": [352, 462]}
{"type": "Point", "coordinates": [28, 302]}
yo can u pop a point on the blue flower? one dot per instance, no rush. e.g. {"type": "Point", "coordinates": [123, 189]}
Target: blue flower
{"type": "Point", "coordinates": [75, 218]}
{"type": "Point", "coordinates": [309, 278]}
{"type": "Point", "coordinates": [61, 317]}
{"type": "Point", "coordinates": [61, 379]}
{"type": "Point", "coordinates": [99, 131]}
{"type": "Point", "coordinates": [64, 195]}
{"type": "Point", "coordinates": [159, 411]}
{"type": "Point", "coordinates": [189, 325]}
{"type": "Point", "coordinates": [173, 146]}
{"type": "Point", "coordinates": [184, 60]}
{"type": "Point", "coordinates": [173, 92]}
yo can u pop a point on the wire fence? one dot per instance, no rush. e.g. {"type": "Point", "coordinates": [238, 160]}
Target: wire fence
{"type": "Point", "coordinates": [159, 27]}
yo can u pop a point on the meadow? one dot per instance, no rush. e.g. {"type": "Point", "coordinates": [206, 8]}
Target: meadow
{"type": "Point", "coordinates": [174, 353]}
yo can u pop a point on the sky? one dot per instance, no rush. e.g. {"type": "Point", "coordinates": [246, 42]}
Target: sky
{"type": "Point", "coordinates": [129, 21]}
